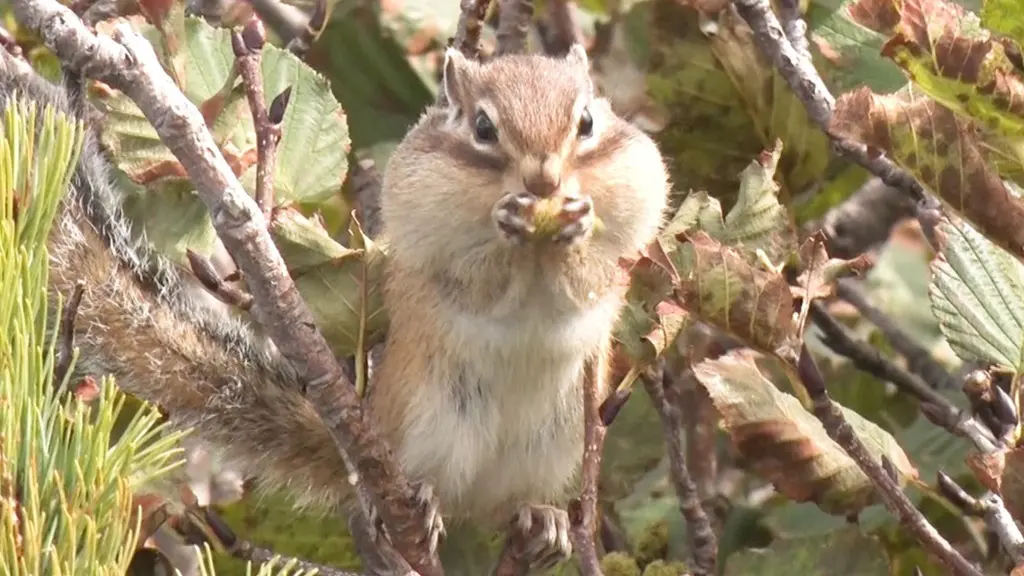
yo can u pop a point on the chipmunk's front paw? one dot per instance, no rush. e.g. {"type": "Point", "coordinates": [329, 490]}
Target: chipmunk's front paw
{"type": "Point", "coordinates": [433, 524]}
{"type": "Point", "coordinates": [513, 215]}
{"type": "Point", "coordinates": [545, 530]}
{"type": "Point", "coordinates": [576, 219]}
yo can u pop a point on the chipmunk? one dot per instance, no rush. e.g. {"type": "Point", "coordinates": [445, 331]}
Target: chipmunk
{"type": "Point", "coordinates": [480, 384]}
{"type": "Point", "coordinates": [479, 391]}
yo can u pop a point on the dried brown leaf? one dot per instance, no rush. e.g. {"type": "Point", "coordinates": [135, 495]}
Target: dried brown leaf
{"type": "Point", "coordinates": [787, 445]}
{"type": "Point", "coordinates": [943, 150]}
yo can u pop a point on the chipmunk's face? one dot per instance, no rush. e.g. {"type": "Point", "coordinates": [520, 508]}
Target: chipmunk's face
{"type": "Point", "coordinates": [526, 123]}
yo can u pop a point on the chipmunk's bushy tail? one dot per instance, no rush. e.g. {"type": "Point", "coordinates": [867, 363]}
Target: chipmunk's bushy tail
{"type": "Point", "coordinates": [139, 322]}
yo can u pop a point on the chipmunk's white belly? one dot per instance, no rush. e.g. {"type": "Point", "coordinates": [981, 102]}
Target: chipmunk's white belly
{"type": "Point", "coordinates": [510, 430]}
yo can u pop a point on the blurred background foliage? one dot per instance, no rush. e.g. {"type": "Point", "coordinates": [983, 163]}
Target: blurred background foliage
{"type": "Point", "coordinates": [682, 69]}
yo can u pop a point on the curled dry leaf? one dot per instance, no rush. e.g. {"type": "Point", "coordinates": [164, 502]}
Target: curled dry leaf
{"type": "Point", "coordinates": [943, 150]}
{"type": "Point", "coordinates": [950, 57]}
{"type": "Point", "coordinates": [722, 287]}
{"type": "Point", "coordinates": [787, 445]}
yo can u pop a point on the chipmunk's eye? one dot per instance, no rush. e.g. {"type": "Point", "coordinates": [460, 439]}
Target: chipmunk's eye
{"type": "Point", "coordinates": [586, 127]}
{"type": "Point", "coordinates": [484, 129]}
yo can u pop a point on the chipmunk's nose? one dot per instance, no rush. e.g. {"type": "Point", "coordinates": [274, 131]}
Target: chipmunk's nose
{"type": "Point", "coordinates": [542, 178]}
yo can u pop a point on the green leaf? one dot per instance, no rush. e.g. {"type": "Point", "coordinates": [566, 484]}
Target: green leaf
{"type": "Point", "coordinates": [756, 222]}
{"type": "Point", "coordinates": [311, 155]}
{"type": "Point", "coordinates": [841, 552]}
{"type": "Point", "coordinates": [788, 445]}
{"type": "Point", "coordinates": [846, 51]}
{"type": "Point", "coordinates": [382, 93]}
{"type": "Point", "coordinates": [1005, 17]}
{"type": "Point", "coordinates": [725, 104]}
{"type": "Point", "coordinates": [953, 59]}
{"type": "Point", "coordinates": [340, 285]}
{"type": "Point", "coordinates": [977, 295]}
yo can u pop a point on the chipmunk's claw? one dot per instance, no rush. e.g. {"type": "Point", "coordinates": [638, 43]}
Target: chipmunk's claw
{"type": "Point", "coordinates": [433, 523]}
{"type": "Point", "coordinates": [550, 544]}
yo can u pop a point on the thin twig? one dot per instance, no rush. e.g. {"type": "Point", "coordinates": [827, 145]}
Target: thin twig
{"type": "Point", "coordinates": [564, 28]}
{"type": "Point", "coordinates": [991, 508]}
{"type": "Point", "coordinates": [301, 44]}
{"type": "Point", "coordinates": [471, 24]}
{"type": "Point", "coordinates": [366, 188]}
{"type": "Point", "coordinates": [864, 220]}
{"type": "Point", "coordinates": [205, 523]}
{"type": "Point", "coordinates": [919, 360]}
{"type": "Point", "coordinates": [288, 22]}
{"type": "Point", "coordinates": [583, 515]}
{"type": "Point", "coordinates": [66, 336]}
{"type": "Point", "coordinates": [514, 17]}
{"type": "Point", "coordinates": [892, 496]}
{"type": "Point", "coordinates": [940, 410]}
{"type": "Point", "coordinates": [128, 63]}
{"type": "Point", "coordinates": [703, 543]}
{"type": "Point", "coordinates": [795, 27]}
{"type": "Point", "coordinates": [808, 86]}
{"type": "Point", "coordinates": [248, 47]}
{"type": "Point", "coordinates": [467, 34]}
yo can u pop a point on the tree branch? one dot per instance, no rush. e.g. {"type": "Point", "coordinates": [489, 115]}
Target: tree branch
{"type": "Point", "coordinates": [795, 27]}
{"type": "Point", "coordinates": [991, 508]}
{"type": "Point", "coordinates": [248, 47]}
{"type": "Point", "coordinates": [514, 17]}
{"type": "Point", "coordinates": [938, 409]}
{"type": "Point", "coordinates": [471, 24]}
{"type": "Point", "coordinates": [563, 28]}
{"type": "Point", "coordinates": [864, 220]}
{"type": "Point", "coordinates": [808, 86]}
{"type": "Point", "coordinates": [919, 360]}
{"type": "Point", "coordinates": [892, 496]}
{"type": "Point", "coordinates": [128, 63]}
{"type": "Point", "coordinates": [703, 543]}
{"type": "Point", "coordinates": [584, 516]}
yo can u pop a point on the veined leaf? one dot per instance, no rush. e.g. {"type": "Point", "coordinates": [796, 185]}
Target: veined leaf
{"type": "Point", "coordinates": [946, 52]}
{"type": "Point", "coordinates": [788, 445]}
{"type": "Point", "coordinates": [341, 285]}
{"type": "Point", "coordinates": [977, 295]}
{"type": "Point", "coordinates": [312, 152]}
{"type": "Point", "coordinates": [725, 104]}
{"type": "Point", "coordinates": [943, 150]}
{"type": "Point", "coordinates": [756, 222]}
{"type": "Point", "coordinates": [848, 49]}
{"type": "Point", "coordinates": [845, 551]}
{"type": "Point", "coordinates": [704, 265]}
{"type": "Point", "coordinates": [721, 286]}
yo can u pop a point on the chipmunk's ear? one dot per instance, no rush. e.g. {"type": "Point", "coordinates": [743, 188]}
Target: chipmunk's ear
{"type": "Point", "coordinates": [580, 63]}
{"type": "Point", "coordinates": [577, 56]}
{"type": "Point", "coordinates": [456, 71]}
